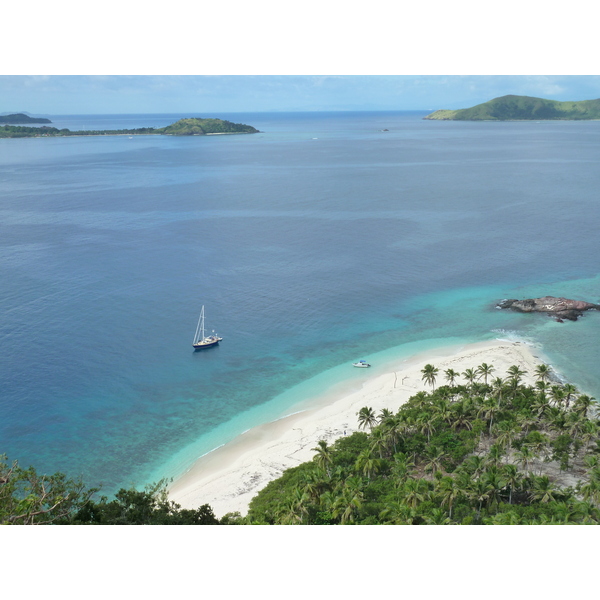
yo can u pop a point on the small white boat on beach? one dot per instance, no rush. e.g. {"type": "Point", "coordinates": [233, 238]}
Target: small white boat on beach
{"type": "Point", "coordinates": [361, 364]}
{"type": "Point", "coordinates": [201, 340]}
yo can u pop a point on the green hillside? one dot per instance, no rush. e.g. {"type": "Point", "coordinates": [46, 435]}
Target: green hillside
{"type": "Point", "coordinates": [205, 127]}
{"type": "Point", "coordinates": [522, 108]}
{"type": "Point", "coordinates": [20, 118]}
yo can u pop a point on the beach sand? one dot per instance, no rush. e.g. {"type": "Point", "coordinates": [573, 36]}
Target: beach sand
{"type": "Point", "coordinates": [230, 476]}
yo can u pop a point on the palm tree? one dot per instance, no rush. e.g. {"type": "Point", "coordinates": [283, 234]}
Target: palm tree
{"type": "Point", "coordinates": [349, 502]}
{"type": "Point", "coordinates": [434, 461]}
{"type": "Point", "coordinates": [575, 424]}
{"type": "Point", "coordinates": [506, 431]}
{"type": "Point", "coordinates": [558, 394]}
{"type": "Point", "coordinates": [462, 417]}
{"type": "Point", "coordinates": [543, 489]}
{"type": "Point", "coordinates": [526, 420]}
{"type": "Point", "coordinates": [515, 373]}
{"type": "Point", "coordinates": [479, 492]}
{"type": "Point", "coordinates": [582, 404]}
{"type": "Point", "coordinates": [448, 492]}
{"type": "Point", "coordinates": [443, 410]}
{"type": "Point", "coordinates": [420, 400]}
{"type": "Point", "coordinates": [437, 517]}
{"type": "Point", "coordinates": [474, 465]}
{"type": "Point", "coordinates": [451, 376]}
{"type": "Point", "coordinates": [495, 454]}
{"type": "Point", "coordinates": [589, 432]}
{"type": "Point", "coordinates": [591, 491]}
{"type": "Point", "coordinates": [379, 441]}
{"type": "Point", "coordinates": [513, 479]}
{"type": "Point", "coordinates": [470, 375]}
{"type": "Point", "coordinates": [398, 513]}
{"type": "Point", "coordinates": [402, 466]}
{"type": "Point", "coordinates": [426, 424]}
{"type": "Point", "coordinates": [414, 492]}
{"type": "Point", "coordinates": [524, 456]}
{"type": "Point", "coordinates": [390, 430]}
{"type": "Point", "coordinates": [569, 389]}
{"type": "Point", "coordinates": [542, 386]}
{"type": "Point", "coordinates": [314, 484]}
{"type": "Point", "coordinates": [384, 414]}
{"type": "Point", "coordinates": [542, 373]}
{"type": "Point", "coordinates": [429, 374]}
{"type": "Point", "coordinates": [367, 464]}
{"type": "Point", "coordinates": [484, 370]}
{"type": "Point", "coordinates": [323, 457]}
{"type": "Point", "coordinates": [498, 387]}
{"type": "Point", "coordinates": [495, 484]}
{"type": "Point", "coordinates": [488, 409]}
{"type": "Point", "coordinates": [293, 510]}
{"type": "Point", "coordinates": [366, 418]}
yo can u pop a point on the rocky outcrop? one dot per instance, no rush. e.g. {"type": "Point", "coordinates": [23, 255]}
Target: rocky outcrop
{"type": "Point", "coordinates": [559, 308]}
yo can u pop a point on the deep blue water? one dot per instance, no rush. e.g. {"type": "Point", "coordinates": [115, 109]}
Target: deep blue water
{"type": "Point", "coordinates": [318, 241]}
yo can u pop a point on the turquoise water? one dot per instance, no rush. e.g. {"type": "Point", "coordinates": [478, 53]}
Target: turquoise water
{"type": "Point", "coordinates": [317, 242]}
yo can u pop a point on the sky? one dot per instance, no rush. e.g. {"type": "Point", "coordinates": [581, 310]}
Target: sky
{"type": "Point", "coordinates": [272, 56]}
{"type": "Point", "coordinates": [213, 94]}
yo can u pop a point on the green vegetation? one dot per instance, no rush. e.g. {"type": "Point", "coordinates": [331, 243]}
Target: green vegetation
{"type": "Point", "coordinates": [27, 498]}
{"type": "Point", "coordinates": [14, 131]}
{"type": "Point", "coordinates": [181, 127]}
{"type": "Point", "coordinates": [20, 118]}
{"type": "Point", "coordinates": [205, 127]}
{"type": "Point", "coordinates": [522, 108]}
{"type": "Point", "coordinates": [492, 451]}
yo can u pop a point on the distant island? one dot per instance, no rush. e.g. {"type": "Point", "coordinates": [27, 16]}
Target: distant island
{"type": "Point", "coordinates": [20, 119]}
{"type": "Point", "coordinates": [522, 108]}
{"type": "Point", "coordinates": [194, 126]}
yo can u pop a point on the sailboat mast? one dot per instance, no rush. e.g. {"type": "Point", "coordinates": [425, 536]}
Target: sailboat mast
{"type": "Point", "coordinates": [200, 326]}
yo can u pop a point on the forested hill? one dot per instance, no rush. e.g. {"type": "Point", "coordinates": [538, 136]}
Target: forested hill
{"type": "Point", "coordinates": [522, 108]}
{"type": "Point", "coordinates": [205, 127]}
{"type": "Point", "coordinates": [192, 126]}
{"type": "Point", "coordinates": [21, 119]}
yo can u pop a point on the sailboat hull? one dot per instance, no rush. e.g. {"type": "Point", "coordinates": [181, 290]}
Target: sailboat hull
{"type": "Point", "coordinates": [206, 344]}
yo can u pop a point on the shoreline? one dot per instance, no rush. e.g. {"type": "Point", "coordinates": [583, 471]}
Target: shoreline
{"type": "Point", "coordinates": [228, 477]}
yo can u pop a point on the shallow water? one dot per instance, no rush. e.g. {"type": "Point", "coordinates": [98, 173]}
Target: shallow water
{"type": "Point", "coordinates": [319, 241]}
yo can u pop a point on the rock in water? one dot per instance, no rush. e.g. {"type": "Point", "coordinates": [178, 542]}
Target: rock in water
{"type": "Point", "coordinates": [559, 308]}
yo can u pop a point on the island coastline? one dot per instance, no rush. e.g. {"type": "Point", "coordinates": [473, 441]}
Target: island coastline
{"type": "Point", "coordinates": [231, 475]}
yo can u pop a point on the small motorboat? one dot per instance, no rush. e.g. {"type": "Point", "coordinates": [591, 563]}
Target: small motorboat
{"type": "Point", "coordinates": [361, 364]}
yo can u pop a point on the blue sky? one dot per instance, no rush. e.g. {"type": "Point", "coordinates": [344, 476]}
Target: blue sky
{"type": "Point", "coordinates": [94, 94]}
{"type": "Point", "coordinates": [265, 55]}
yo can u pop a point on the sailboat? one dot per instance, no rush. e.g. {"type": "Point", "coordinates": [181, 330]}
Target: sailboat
{"type": "Point", "coordinates": [200, 339]}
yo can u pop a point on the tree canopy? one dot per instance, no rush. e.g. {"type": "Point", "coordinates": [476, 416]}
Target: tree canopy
{"type": "Point", "coordinates": [476, 453]}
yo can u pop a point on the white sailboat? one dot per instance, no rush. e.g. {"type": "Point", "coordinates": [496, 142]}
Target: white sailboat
{"type": "Point", "coordinates": [200, 339]}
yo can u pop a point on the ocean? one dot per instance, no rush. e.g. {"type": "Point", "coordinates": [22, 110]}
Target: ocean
{"type": "Point", "coordinates": [324, 239]}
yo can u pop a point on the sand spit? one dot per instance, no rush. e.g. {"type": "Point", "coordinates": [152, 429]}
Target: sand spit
{"type": "Point", "coordinates": [230, 476]}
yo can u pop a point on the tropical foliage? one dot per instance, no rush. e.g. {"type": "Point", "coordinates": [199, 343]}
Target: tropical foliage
{"type": "Point", "coordinates": [487, 451]}
{"type": "Point", "coordinates": [28, 498]}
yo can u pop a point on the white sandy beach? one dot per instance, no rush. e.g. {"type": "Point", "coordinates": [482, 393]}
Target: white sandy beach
{"type": "Point", "coordinates": [229, 477]}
